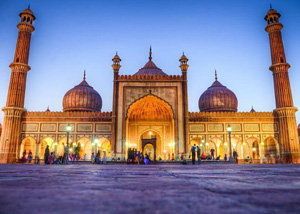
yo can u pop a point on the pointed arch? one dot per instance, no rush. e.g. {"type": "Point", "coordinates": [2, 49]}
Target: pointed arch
{"type": "Point", "coordinates": [150, 107]}
{"type": "Point", "coordinates": [28, 144]}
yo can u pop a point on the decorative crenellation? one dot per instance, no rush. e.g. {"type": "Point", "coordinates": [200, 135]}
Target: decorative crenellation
{"type": "Point", "coordinates": [76, 116]}
{"type": "Point", "coordinates": [150, 77]}
{"type": "Point", "coordinates": [233, 116]}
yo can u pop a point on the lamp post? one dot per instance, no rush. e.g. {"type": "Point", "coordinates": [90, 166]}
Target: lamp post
{"type": "Point", "coordinates": [67, 147]}
{"type": "Point", "coordinates": [229, 137]}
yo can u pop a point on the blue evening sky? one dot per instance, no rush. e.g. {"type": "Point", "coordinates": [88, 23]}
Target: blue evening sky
{"type": "Point", "coordinates": [227, 35]}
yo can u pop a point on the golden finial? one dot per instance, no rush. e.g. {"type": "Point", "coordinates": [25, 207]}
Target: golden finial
{"type": "Point", "coordinates": [150, 53]}
{"type": "Point", "coordinates": [216, 76]}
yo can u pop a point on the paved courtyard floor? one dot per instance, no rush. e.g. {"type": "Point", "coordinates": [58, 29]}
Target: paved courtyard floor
{"type": "Point", "coordinates": [157, 189]}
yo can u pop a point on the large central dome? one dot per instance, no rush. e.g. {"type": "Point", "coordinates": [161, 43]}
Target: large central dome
{"type": "Point", "coordinates": [150, 68]}
{"type": "Point", "coordinates": [218, 98]}
{"type": "Point", "coordinates": [82, 98]}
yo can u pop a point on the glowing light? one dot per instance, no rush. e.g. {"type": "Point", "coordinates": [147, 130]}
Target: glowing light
{"type": "Point", "coordinates": [150, 133]}
{"type": "Point", "coordinates": [225, 144]}
{"type": "Point", "coordinates": [262, 143]}
{"type": "Point", "coordinates": [74, 143]}
{"type": "Point", "coordinates": [201, 145]}
{"type": "Point", "coordinates": [55, 143]}
{"type": "Point", "coordinates": [218, 145]}
{"type": "Point", "coordinates": [165, 151]}
{"type": "Point", "coordinates": [69, 128]}
{"type": "Point", "coordinates": [229, 128]}
{"type": "Point", "coordinates": [234, 144]}
{"type": "Point", "coordinates": [206, 144]}
{"type": "Point", "coordinates": [70, 149]}
{"type": "Point", "coordinates": [254, 149]}
{"type": "Point", "coordinates": [96, 140]}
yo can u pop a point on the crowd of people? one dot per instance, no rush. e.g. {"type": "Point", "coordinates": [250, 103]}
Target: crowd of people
{"type": "Point", "coordinates": [137, 157]}
{"type": "Point", "coordinates": [195, 150]}
{"type": "Point", "coordinates": [133, 156]}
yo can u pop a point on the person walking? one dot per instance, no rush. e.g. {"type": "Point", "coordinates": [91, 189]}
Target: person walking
{"type": "Point", "coordinates": [235, 156]}
{"type": "Point", "coordinates": [198, 155]}
{"type": "Point", "coordinates": [29, 156]}
{"type": "Point", "coordinates": [37, 158]}
{"type": "Point", "coordinates": [98, 157]}
{"type": "Point", "coordinates": [47, 152]}
{"type": "Point", "coordinates": [76, 153]}
{"type": "Point", "coordinates": [138, 155]}
{"type": "Point", "coordinates": [93, 158]}
{"type": "Point", "coordinates": [104, 157]}
{"type": "Point", "coordinates": [212, 153]}
{"type": "Point", "coordinates": [193, 150]}
{"type": "Point", "coordinates": [146, 159]}
{"type": "Point", "coordinates": [66, 154]}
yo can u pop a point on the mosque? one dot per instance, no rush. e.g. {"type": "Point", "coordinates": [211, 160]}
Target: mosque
{"type": "Point", "coordinates": [150, 113]}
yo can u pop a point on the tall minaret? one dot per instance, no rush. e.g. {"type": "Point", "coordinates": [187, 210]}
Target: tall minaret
{"type": "Point", "coordinates": [116, 67]}
{"type": "Point", "coordinates": [285, 110]}
{"type": "Point", "coordinates": [10, 139]}
{"type": "Point", "coordinates": [184, 67]}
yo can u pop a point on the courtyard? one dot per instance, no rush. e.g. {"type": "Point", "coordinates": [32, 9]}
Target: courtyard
{"type": "Point", "coordinates": [157, 189]}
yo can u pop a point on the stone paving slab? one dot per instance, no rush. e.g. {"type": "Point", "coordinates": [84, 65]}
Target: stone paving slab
{"type": "Point", "coordinates": [158, 189]}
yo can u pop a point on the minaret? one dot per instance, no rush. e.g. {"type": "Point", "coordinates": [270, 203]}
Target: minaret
{"type": "Point", "coordinates": [285, 110]}
{"type": "Point", "coordinates": [10, 139]}
{"type": "Point", "coordinates": [116, 67]}
{"type": "Point", "coordinates": [184, 67]}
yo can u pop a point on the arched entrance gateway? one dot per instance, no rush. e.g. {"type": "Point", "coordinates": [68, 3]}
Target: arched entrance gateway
{"type": "Point", "coordinates": [150, 127]}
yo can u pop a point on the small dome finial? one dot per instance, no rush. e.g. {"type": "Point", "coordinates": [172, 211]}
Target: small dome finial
{"type": "Point", "coordinates": [150, 53]}
{"type": "Point", "coordinates": [28, 6]}
{"type": "Point", "coordinates": [271, 6]}
{"type": "Point", "coordinates": [84, 75]}
{"type": "Point", "coordinates": [47, 110]}
{"type": "Point", "coordinates": [216, 75]}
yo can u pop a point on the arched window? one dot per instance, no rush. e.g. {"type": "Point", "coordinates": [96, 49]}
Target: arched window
{"type": "Point", "coordinates": [24, 19]}
{"type": "Point", "coordinates": [28, 19]}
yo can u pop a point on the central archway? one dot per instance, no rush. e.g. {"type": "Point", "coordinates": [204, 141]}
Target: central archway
{"type": "Point", "coordinates": [150, 114]}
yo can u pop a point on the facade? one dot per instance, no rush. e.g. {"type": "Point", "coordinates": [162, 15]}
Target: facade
{"type": "Point", "coordinates": [150, 113]}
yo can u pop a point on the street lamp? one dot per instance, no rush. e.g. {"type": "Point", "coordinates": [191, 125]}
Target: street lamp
{"type": "Point", "coordinates": [67, 147]}
{"type": "Point", "coordinates": [229, 136]}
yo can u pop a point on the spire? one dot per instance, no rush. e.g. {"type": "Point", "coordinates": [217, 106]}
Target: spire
{"type": "Point", "coordinates": [271, 6]}
{"type": "Point", "coordinates": [28, 7]}
{"type": "Point", "coordinates": [84, 75]}
{"type": "Point", "coordinates": [216, 76]}
{"type": "Point", "coordinates": [150, 54]}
